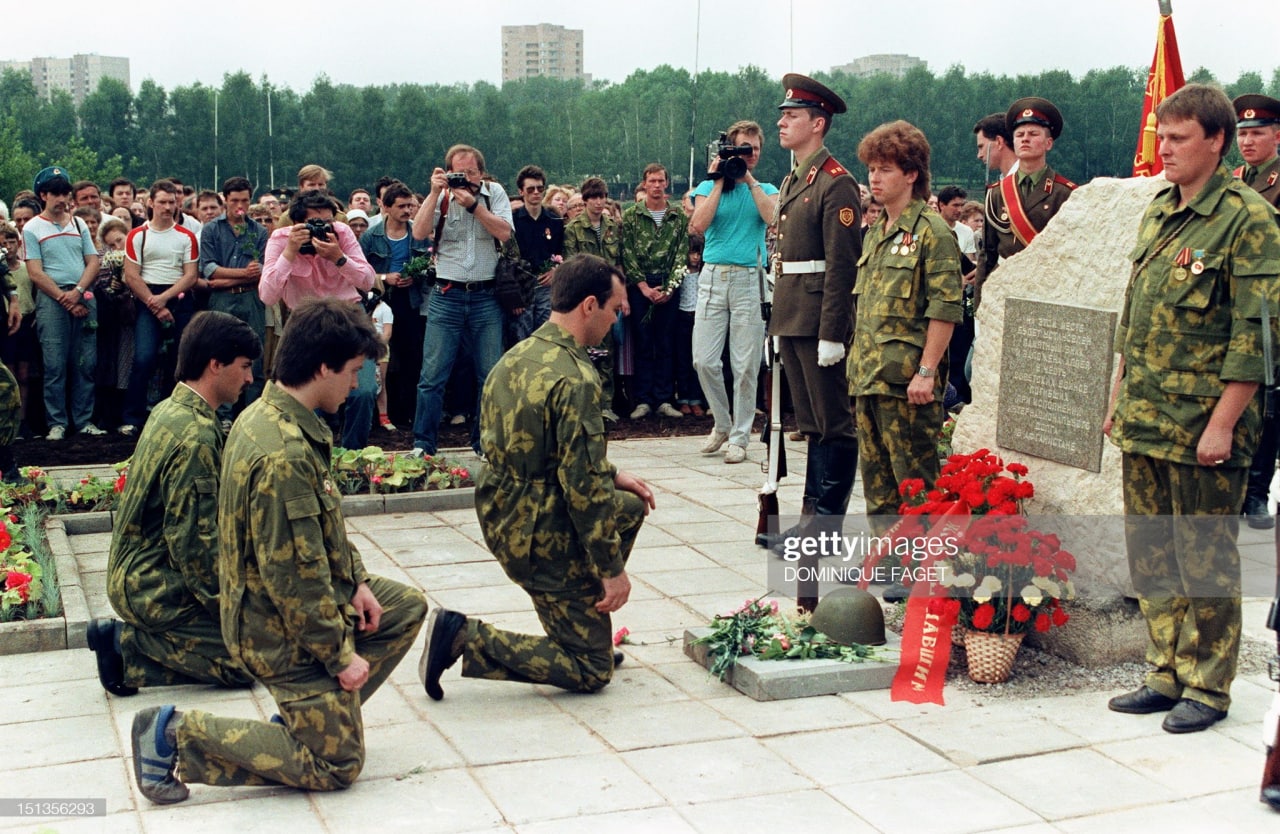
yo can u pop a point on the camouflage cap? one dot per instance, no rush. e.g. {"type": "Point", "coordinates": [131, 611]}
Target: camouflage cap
{"type": "Point", "coordinates": [803, 91]}
{"type": "Point", "coordinates": [1034, 110]}
{"type": "Point", "coordinates": [1255, 110]}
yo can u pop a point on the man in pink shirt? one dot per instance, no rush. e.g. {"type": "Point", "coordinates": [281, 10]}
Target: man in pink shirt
{"type": "Point", "coordinates": [319, 258]}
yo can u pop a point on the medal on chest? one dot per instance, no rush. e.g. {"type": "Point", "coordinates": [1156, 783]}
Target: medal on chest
{"type": "Point", "coordinates": [903, 244]}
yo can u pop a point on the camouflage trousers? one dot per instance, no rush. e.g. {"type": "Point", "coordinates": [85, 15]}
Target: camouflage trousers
{"type": "Point", "coordinates": [319, 745]}
{"type": "Point", "coordinates": [898, 441]}
{"type": "Point", "coordinates": [576, 653]}
{"type": "Point", "coordinates": [190, 652]}
{"type": "Point", "coordinates": [10, 406]}
{"type": "Point", "coordinates": [1186, 572]}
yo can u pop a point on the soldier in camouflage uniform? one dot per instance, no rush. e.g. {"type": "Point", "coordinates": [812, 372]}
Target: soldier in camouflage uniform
{"type": "Point", "coordinates": [908, 300]}
{"type": "Point", "coordinates": [560, 519]}
{"type": "Point", "coordinates": [1186, 415]}
{"type": "Point", "coordinates": [595, 232]}
{"type": "Point", "coordinates": [655, 244]}
{"type": "Point", "coordinates": [299, 611]}
{"type": "Point", "coordinates": [162, 574]}
{"type": "Point", "coordinates": [1257, 132]}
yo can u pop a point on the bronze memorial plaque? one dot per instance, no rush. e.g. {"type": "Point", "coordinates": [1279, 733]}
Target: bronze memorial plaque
{"type": "Point", "coordinates": [1055, 380]}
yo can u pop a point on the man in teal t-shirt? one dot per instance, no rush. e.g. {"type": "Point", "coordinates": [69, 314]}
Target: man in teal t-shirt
{"type": "Point", "coordinates": [733, 215]}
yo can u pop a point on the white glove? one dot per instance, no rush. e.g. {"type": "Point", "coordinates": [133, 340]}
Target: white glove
{"type": "Point", "coordinates": [829, 353]}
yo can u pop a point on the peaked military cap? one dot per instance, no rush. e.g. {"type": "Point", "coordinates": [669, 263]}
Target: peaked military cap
{"type": "Point", "coordinates": [49, 175]}
{"type": "Point", "coordinates": [1036, 111]}
{"type": "Point", "coordinates": [803, 91]}
{"type": "Point", "coordinates": [1256, 110]}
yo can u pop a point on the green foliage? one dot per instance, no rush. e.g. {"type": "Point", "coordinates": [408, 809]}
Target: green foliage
{"type": "Point", "coordinates": [573, 130]}
{"type": "Point", "coordinates": [370, 470]}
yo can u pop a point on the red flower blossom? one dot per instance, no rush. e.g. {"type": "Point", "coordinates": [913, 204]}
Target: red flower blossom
{"type": "Point", "coordinates": [983, 616]}
{"type": "Point", "coordinates": [19, 581]}
{"type": "Point", "coordinates": [1021, 613]}
{"type": "Point", "coordinates": [119, 487]}
{"type": "Point", "coordinates": [1018, 469]}
{"type": "Point", "coordinates": [5, 538]}
{"type": "Point", "coordinates": [1060, 617]}
{"type": "Point", "coordinates": [1042, 622]}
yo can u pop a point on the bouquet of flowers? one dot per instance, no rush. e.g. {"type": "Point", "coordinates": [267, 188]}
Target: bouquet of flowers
{"type": "Point", "coordinates": [759, 628]}
{"type": "Point", "coordinates": [1007, 577]}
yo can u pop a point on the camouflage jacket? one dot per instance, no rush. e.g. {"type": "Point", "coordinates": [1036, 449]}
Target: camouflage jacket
{"type": "Point", "coordinates": [648, 248]}
{"type": "Point", "coordinates": [1192, 318]}
{"type": "Point", "coordinates": [163, 567]}
{"type": "Point", "coordinates": [908, 274]}
{"type": "Point", "coordinates": [546, 498]}
{"type": "Point", "coordinates": [580, 237]}
{"type": "Point", "coordinates": [288, 571]}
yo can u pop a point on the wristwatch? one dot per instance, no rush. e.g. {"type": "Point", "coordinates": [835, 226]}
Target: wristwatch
{"type": "Point", "coordinates": [926, 372]}
{"type": "Point", "coordinates": [341, 261]}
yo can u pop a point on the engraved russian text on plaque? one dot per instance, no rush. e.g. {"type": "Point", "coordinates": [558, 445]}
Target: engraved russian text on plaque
{"type": "Point", "coordinates": [1055, 378]}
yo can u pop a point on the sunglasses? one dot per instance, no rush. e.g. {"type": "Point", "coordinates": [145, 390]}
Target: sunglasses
{"type": "Point", "coordinates": [534, 189]}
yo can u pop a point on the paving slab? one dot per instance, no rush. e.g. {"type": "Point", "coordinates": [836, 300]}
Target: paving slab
{"type": "Point", "coordinates": [665, 747]}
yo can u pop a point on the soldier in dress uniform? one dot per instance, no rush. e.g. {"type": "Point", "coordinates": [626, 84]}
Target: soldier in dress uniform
{"type": "Point", "coordinates": [559, 518]}
{"type": "Point", "coordinates": [1257, 131]}
{"type": "Point", "coordinates": [1186, 414]}
{"type": "Point", "coordinates": [1020, 205]}
{"type": "Point", "coordinates": [815, 263]}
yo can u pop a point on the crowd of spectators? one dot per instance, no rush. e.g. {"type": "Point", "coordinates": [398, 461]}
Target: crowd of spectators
{"type": "Point", "coordinates": [100, 351]}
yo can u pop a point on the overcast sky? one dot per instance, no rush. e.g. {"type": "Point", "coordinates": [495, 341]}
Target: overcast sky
{"type": "Point", "coordinates": [380, 42]}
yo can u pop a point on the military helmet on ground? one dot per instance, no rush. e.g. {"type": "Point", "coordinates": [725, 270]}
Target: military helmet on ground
{"type": "Point", "coordinates": [850, 615]}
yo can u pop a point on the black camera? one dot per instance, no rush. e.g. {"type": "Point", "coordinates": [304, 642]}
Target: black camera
{"type": "Point", "coordinates": [319, 229]}
{"type": "Point", "coordinates": [457, 180]}
{"type": "Point", "coordinates": [733, 166]}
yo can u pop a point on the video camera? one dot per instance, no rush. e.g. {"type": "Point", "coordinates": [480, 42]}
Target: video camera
{"type": "Point", "coordinates": [319, 229]}
{"type": "Point", "coordinates": [733, 166]}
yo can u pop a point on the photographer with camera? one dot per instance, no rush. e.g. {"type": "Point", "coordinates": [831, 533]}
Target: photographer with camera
{"type": "Point", "coordinates": [317, 257]}
{"type": "Point", "coordinates": [732, 210]}
{"type": "Point", "coordinates": [469, 218]}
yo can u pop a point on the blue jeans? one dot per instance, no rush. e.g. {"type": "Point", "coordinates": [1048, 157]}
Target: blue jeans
{"type": "Point", "coordinates": [70, 349]}
{"type": "Point", "coordinates": [150, 340]}
{"type": "Point", "coordinates": [456, 318]}
{"type": "Point", "coordinates": [535, 315]}
{"type": "Point", "coordinates": [361, 403]}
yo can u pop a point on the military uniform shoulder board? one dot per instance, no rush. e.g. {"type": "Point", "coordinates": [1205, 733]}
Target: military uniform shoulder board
{"type": "Point", "coordinates": [833, 168]}
{"type": "Point", "coordinates": [1061, 180]}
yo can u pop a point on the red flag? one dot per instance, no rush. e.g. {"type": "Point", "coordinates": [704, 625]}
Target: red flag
{"type": "Point", "coordinates": [1163, 80]}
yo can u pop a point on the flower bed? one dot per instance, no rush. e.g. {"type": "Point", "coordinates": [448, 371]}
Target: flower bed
{"type": "Point", "coordinates": [368, 471]}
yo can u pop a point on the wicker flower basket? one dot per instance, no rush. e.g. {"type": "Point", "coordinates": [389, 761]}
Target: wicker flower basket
{"type": "Point", "coordinates": [958, 632]}
{"type": "Point", "coordinates": [990, 655]}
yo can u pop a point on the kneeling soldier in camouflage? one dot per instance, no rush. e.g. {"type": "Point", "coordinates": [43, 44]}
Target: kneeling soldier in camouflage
{"type": "Point", "coordinates": [560, 519]}
{"type": "Point", "coordinates": [162, 575]}
{"type": "Point", "coordinates": [298, 608]}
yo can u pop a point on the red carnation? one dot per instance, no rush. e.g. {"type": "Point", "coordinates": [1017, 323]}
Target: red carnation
{"type": "Point", "coordinates": [21, 582]}
{"type": "Point", "coordinates": [1021, 613]}
{"type": "Point", "coordinates": [1018, 469]}
{"type": "Point", "coordinates": [1060, 617]}
{"type": "Point", "coordinates": [1042, 622]}
{"type": "Point", "coordinates": [5, 538]}
{"type": "Point", "coordinates": [983, 616]}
